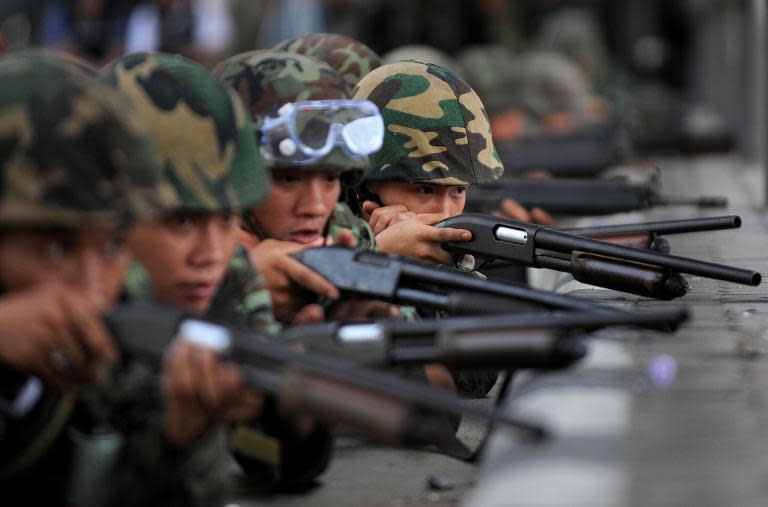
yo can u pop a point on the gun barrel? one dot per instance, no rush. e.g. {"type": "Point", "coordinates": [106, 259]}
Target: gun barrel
{"type": "Point", "coordinates": [502, 349]}
{"type": "Point", "coordinates": [668, 320]}
{"type": "Point", "coordinates": [585, 197]}
{"type": "Point", "coordinates": [462, 281]}
{"type": "Point", "coordinates": [701, 202]}
{"type": "Point", "coordinates": [562, 242]}
{"type": "Point", "coordinates": [664, 227]}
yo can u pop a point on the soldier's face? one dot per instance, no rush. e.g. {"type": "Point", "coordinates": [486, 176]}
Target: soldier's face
{"type": "Point", "coordinates": [186, 256]}
{"type": "Point", "coordinates": [422, 197]}
{"type": "Point", "coordinates": [93, 260]}
{"type": "Point", "coordinates": [299, 206]}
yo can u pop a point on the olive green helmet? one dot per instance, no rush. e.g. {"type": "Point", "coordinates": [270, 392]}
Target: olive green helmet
{"type": "Point", "coordinates": [268, 80]}
{"type": "Point", "coordinates": [347, 56]}
{"type": "Point", "coordinates": [437, 130]}
{"type": "Point", "coordinates": [72, 152]}
{"type": "Point", "coordinates": [201, 129]}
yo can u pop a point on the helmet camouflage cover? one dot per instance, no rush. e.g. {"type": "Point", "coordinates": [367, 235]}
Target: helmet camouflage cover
{"type": "Point", "coordinates": [202, 132]}
{"type": "Point", "coordinates": [72, 151]}
{"type": "Point", "coordinates": [266, 80]}
{"type": "Point", "coordinates": [347, 56]}
{"type": "Point", "coordinates": [437, 130]}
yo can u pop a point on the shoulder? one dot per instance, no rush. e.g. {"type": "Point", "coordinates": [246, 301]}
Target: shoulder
{"type": "Point", "coordinates": [243, 297]}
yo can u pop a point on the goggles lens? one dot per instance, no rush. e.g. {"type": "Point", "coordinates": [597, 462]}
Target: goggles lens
{"type": "Point", "coordinates": [304, 132]}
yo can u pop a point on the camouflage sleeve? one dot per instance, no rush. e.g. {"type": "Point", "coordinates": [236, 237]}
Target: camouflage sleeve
{"type": "Point", "coordinates": [152, 472]}
{"type": "Point", "coordinates": [243, 299]}
{"type": "Point", "coordinates": [120, 456]}
{"type": "Point", "coordinates": [344, 218]}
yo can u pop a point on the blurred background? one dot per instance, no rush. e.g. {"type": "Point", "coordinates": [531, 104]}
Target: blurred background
{"type": "Point", "coordinates": [690, 61]}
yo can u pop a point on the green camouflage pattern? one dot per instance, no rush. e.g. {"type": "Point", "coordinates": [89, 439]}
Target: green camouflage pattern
{"type": "Point", "coordinates": [437, 130]}
{"type": "Point", "coordinates": [347, 56]}
{"type": "Point", "coordinates": [575, 33]}
{"type": "Point", "coordinates": [267, 80]}
{"type": "Point", "coordinates": [201, 130]}
{"type": "Point", "coordinates": [547, 83]}
{"type": "Point", "coordinates": [72, 153]}
{"type": "Point", "coordinates": [537, 83]}
{"type": "Point", "coordinates": [491, 69]}
{"type": "Point", "coordinates": [344, 218]}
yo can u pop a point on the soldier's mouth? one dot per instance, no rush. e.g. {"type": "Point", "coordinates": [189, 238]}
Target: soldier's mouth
{"type": "Point", "coordinates": [198, 291]}
{"type": "Point", "coordinates": [305, 236]}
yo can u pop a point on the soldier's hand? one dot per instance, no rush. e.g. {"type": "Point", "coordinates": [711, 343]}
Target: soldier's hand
{"type": "Point", "coordinates": [273, 259]}
{"type": "Point", "coordinates": [201, 391]}
{"type": "Point", "coordinates": [381, 217]}
{"type": "Point", "coordinates": [55, 332]}
{"type": "Point", "coordinates": [418, 238]}
{"type": "Point", "coordinates": [512, 209]}
{"type": "Point", "coordinates": [364, 310]}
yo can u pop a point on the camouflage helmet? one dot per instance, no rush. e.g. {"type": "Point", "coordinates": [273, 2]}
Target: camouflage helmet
{"type": "Point", "coordinates": [347, 56]}
{"type": "Point", "coordinates": [267, 80]}
{"type": "Point", "coordinates": [437, 130]}
{"type": "Point", "coordinates": [547, 83]}
{"type": "Point", "coordinates": [490, 69]}
{"type": "Point", "coordinates": [73, 153]}
{"type": "Point", "coordinates": [201, 130]}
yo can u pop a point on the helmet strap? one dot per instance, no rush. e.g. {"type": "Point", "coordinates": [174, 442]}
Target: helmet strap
{"type": "Point", "coordinates": [251, 226]}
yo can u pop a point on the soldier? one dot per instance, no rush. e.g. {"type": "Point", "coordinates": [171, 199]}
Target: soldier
{"type": "Point", "coordinates": [190, 257]}
{"type": "Point", "coordinates": [347, 56]}
{"type": "Point", "coordinates": [437, 143]}
{"type": "Point", "coordinates": [76, 166]}
{"type": "Point", "coordinates": [297, 100]}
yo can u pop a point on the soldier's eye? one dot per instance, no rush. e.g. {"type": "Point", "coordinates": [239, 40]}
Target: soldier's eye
{"type": "Point", "coordinates": [58, 249]}
{"type": "Point", "coordinates": [180, 223]}
{"type": "Point", "coordinates": [114, 246]}
{"type": "Point", "coordinates": [426, 190]}
{"type": "Point", "coordinates": [332, 178]}
{"type": "Point", "coordinates": [459, 190]}
{"type": "Point", "coordinates": [286, 179]}
{"type": "Point", "coordinates": [228, 219]}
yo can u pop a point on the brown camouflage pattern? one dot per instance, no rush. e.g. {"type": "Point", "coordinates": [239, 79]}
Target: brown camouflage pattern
{"type": "Point", "coordinates": [71, 150]}
{"type": "Point", "coordinates": [267, 80]}
{"type": "Point", "coordinates": [437, 130]}
{"type": "Point", "coordinates": [347, 56]}
{"type": "Point", "coordinates": [202, 131]}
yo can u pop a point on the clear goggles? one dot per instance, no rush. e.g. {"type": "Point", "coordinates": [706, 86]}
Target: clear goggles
{"type": "Point", "coordinates": [304, 132]}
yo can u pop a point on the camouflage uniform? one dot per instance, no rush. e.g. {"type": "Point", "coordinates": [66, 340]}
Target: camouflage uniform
{"type": "Point", "coordinates": [347, 56]}
{"type": "Point", "coordinates": [437, 132]}
{"type": "Point", "coordinates": [266, 80]}
{"type": "Point", "coordinates": [75, 156]}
